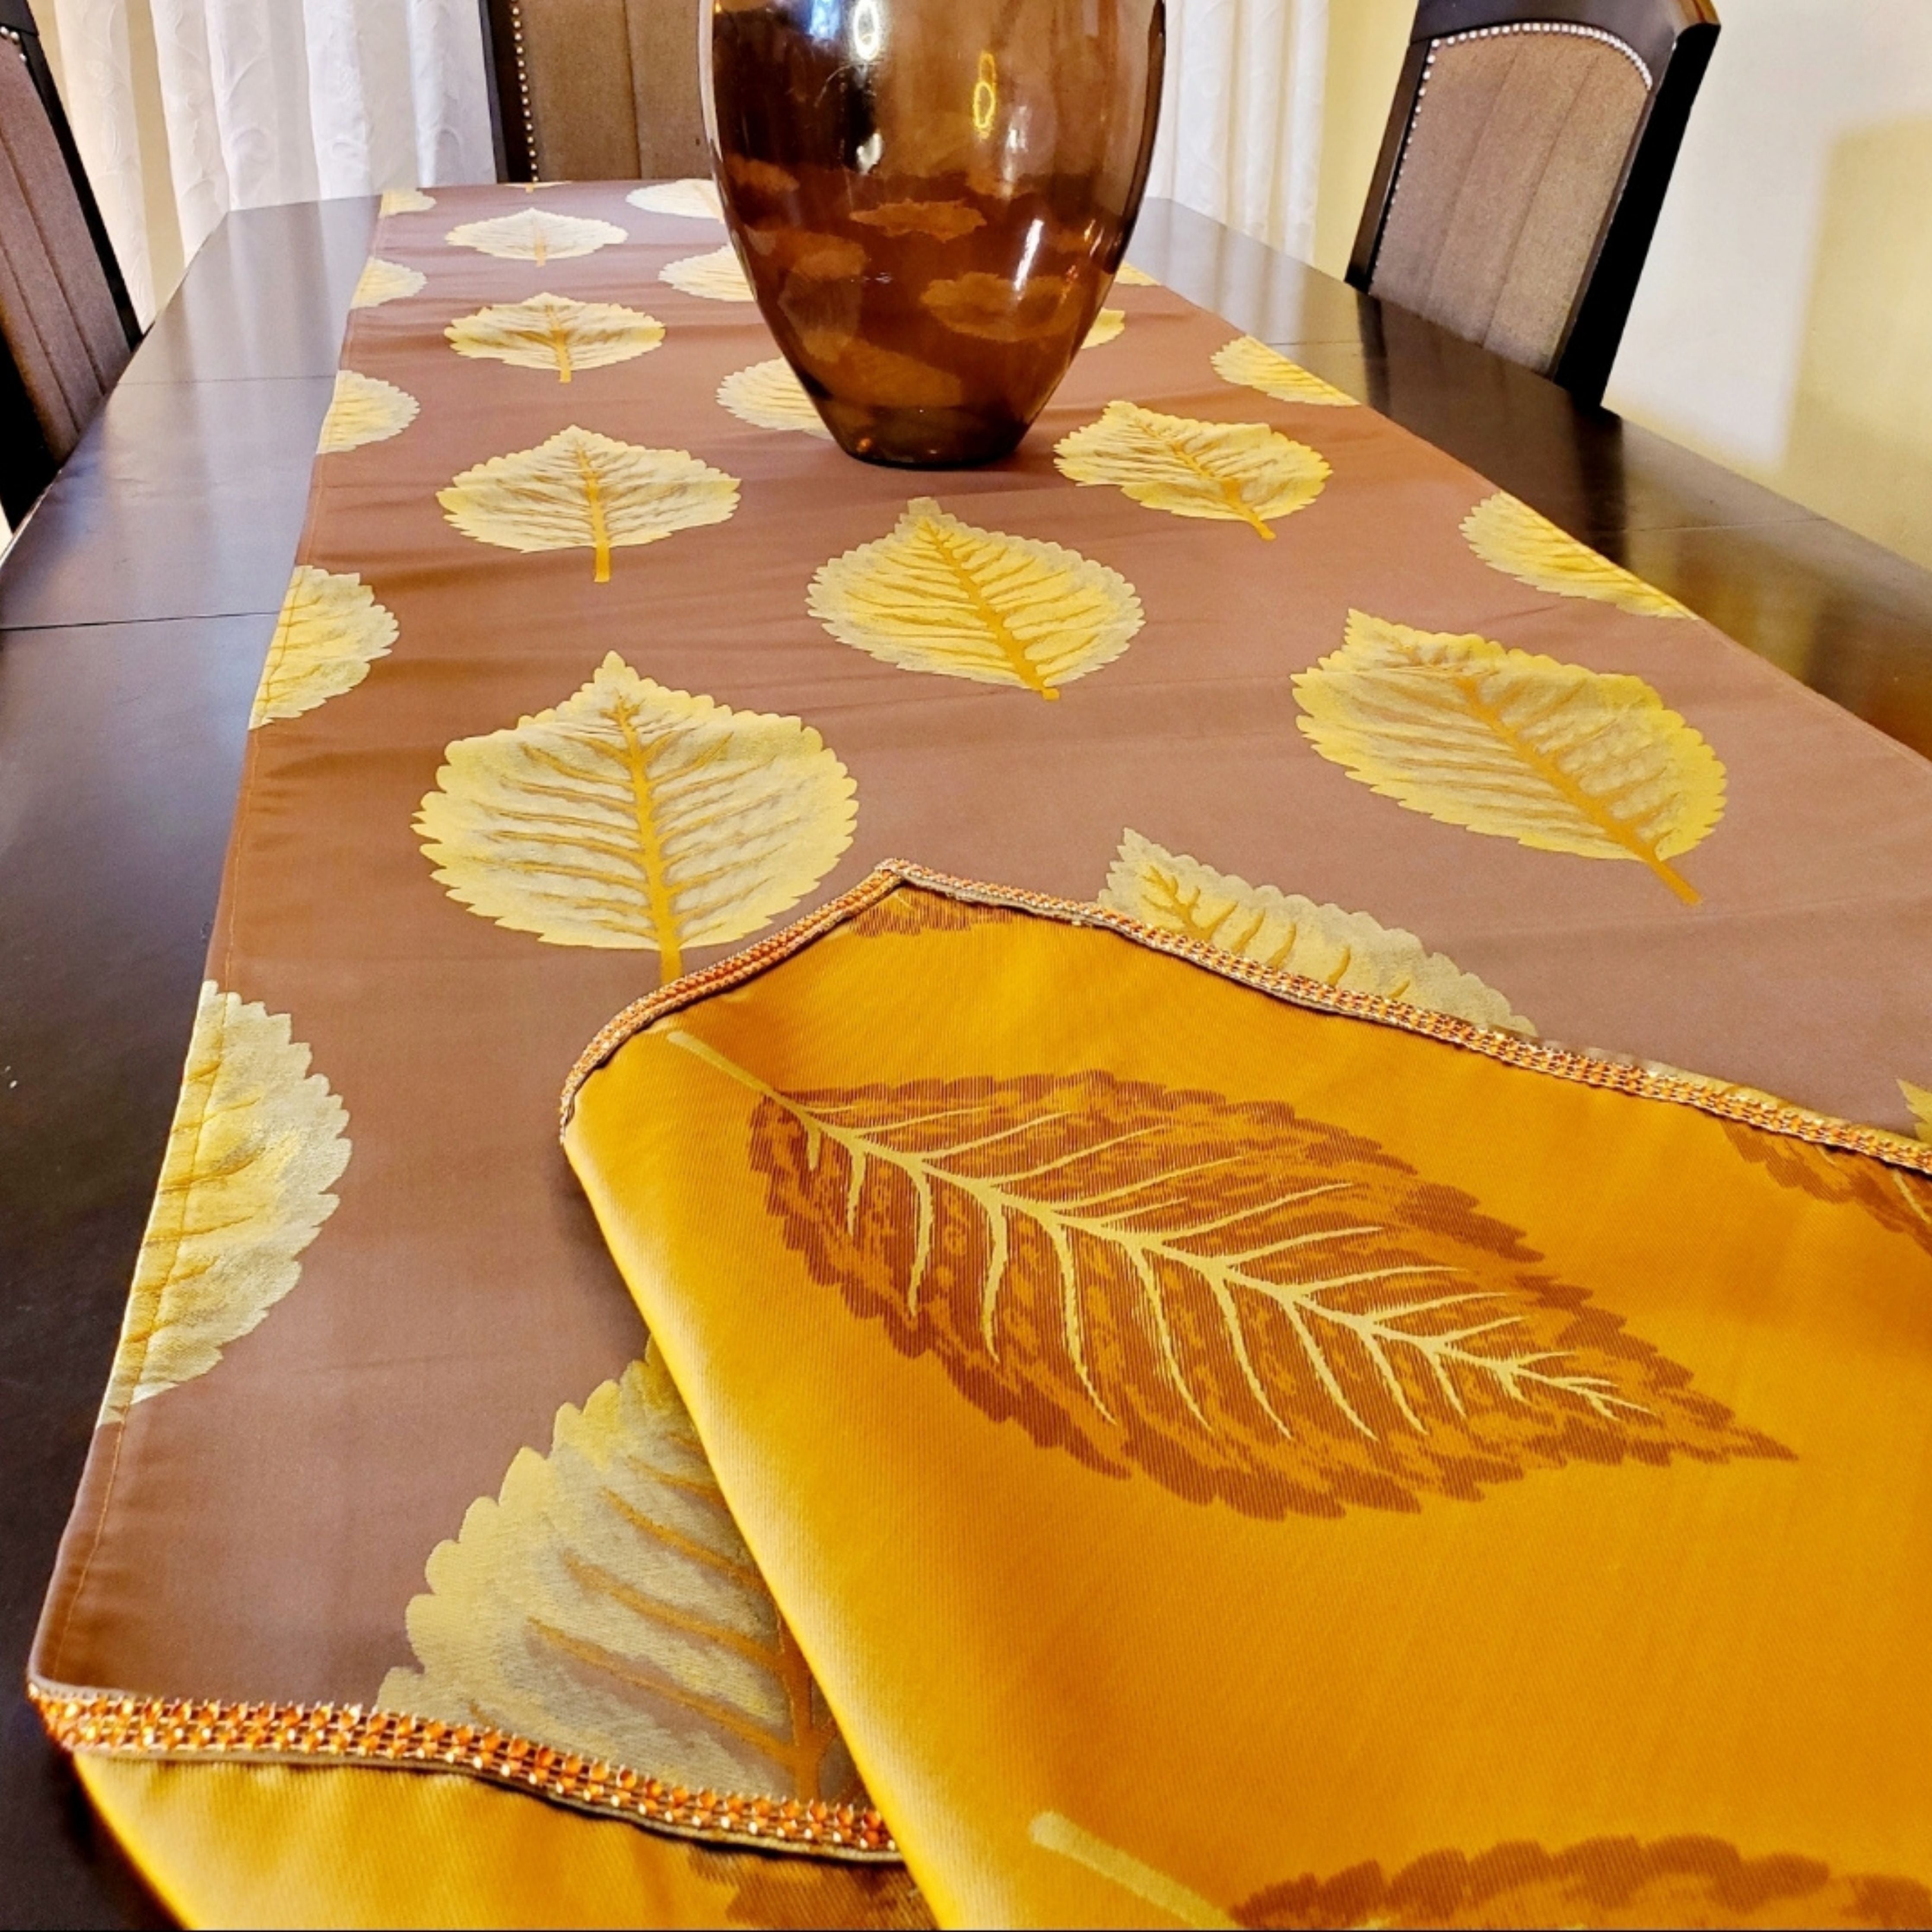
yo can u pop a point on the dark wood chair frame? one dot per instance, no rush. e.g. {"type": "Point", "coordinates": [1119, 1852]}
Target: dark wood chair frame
{"type": "Point", "coordinates": [27, 465]}
{"type": "Point", "coordinates": [1674, 39]}
{"type": "Point", "coordinates": [510, 126]}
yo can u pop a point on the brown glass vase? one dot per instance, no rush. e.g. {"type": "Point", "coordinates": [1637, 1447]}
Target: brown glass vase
{"type": "Point", "coordinates": [931, 198]}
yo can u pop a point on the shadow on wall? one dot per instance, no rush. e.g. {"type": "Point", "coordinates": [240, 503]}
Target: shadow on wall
{"type": "Point", "coordinates": [1860, 447]}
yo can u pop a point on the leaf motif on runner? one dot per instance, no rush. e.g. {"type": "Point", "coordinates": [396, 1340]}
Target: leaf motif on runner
{"type": "Point", "coordinates": [1690, 1880]}
{"type": "Point", "coordinates": [603, 1603]}
{"type": "Point", "coordinates": [1108, 325]}
{"type": "Point", "coordinates": [330, 631]}
{"type": "Point", "coordinates": [556, 333]}
{"type": "Point", "coordinates": [1919, 1099]}
{"type": "Point", "coordinates": [769, 395]}
{"type": "Point", "coordinates": [1687, 1880]}
{"type": "Point", "coordinates": [581, 490]}
{"type": "Point", "coordinates": [381, 281]}
{"type": "Point", "coordinates": [633, 817]}
{"type": "Point", "coordinates": [907, 912]}
{"type": "Point", "coordinates": [694, 198]}
{"type": "Point", "coordinates": [1895, 1198]}
{"type": "Point", "coordinates": [257, 1141]}
{"type": "Point", "coordinates": [939, 595]}
{"type": "Point", "coordinates": [363, 410]}
{"type": "Point", "coordinates": [816, 1891]}
{"type": "Point", "coordinates": [405, 201]}
{"type": "Point", "coordinates": [1502, 742]}
{"type": "Point", "coordinates": [1234, 1299]}
{"type": "Point", "coordinates": [1234, 472]}
{"type": "Point", "coordinates": [538, 234]}
{"type": "Point", "coordinates": [1254, 365]}
{"type": "Point", "coordinates": [1288, 933]}
{"type": "Point", "coordinates": [1509, 536]}
{"type": "Point", "coordinates": [717, 277]}
{"type": "Point", "coordinates": [1129, 276]}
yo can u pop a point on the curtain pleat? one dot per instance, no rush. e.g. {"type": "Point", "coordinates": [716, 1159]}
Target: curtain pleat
{"type": "Point", "coordinates": [1240, 136]}
{"type": "Point", "coordinates": [276, 101]}
{"type": "Point", "coordinates": [266, 101]}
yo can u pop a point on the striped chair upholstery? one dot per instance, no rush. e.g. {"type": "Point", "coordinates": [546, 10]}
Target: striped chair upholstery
{"type": "Point", "coordinates": [1514, 157]}
{"type": "Point", "coordinates": [1524, 166]}
{"type": "Point", "coordinates": [599, 89]}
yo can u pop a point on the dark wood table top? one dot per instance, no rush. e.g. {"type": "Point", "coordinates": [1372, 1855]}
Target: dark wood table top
{"type": "Point", "coordinates": [136, 606]}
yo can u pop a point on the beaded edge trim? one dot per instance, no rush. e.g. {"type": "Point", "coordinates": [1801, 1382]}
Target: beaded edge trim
{"type": "Point", "coordinates": [191, 1730]}
{"type": "Point", "coordinates": [1707, 1096]}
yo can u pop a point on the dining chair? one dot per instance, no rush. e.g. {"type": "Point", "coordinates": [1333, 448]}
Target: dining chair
{"type": "Point", "coordinates": [596, 90]}
{"type": "Point", "coordinates": [66, 326]}
{"type": "Point", "coordinates": [1523, 169]}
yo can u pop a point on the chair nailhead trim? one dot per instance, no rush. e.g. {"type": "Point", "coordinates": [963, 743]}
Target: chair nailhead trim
{"type": "Point", "coordinates": [523, 87]}
{"type": "Point", "coordinates": [1581, 32]}
{"type": "Point", "coordinates": [1571, 27]}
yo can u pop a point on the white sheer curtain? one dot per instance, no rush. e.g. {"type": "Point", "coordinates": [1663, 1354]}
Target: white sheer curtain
{"type": "Point", "coordinates": [1240, 133]}
{"type": "Point", "coordinates": [185, 109]}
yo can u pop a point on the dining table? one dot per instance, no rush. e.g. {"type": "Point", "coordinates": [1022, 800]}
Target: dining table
{"type": "Point", "coordinates": [136, 604]}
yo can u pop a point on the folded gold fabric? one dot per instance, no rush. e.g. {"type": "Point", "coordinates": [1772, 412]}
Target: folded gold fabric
{"type": "Point", "coordinates": [1235, 1464]}
{"type": "Point", "coordinates": [1246, 1419]}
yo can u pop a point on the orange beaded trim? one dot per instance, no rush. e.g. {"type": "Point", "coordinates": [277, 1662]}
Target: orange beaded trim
{"type": "Point", "coordinates": [1590, 1069]}
{"type": "Point", "coordinates": [180, 1728]}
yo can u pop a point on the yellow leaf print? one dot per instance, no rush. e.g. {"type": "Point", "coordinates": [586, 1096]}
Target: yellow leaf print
{"type": "Point", "coordinates": [579, 490]}
{"type": "Point", "coordinates": [1502, 742]}
{"type": "Point", "coordinates": [538, 234]}
{"type": "Point", "coordinates": [717, 277]}
{"type": "Point", "coordinates": [556, 333]}
{"type": "Point", "coordinates": [331, 630]}
{"type": "Point", "coordinates": [405, 201]}
{"type": "Point", "coordinates": [634, 817]}
{"type": "Point", "coordinates": [1107, 326]}
{"type": "Point", "coordinates": [381, 281]}
{"type": "Point", "coordinates": [364, 408]}
{"type": "Point", "coordinates": [939, 595]}
{"type": "Point", "coordinates": [257, 1141]}
{"type": "Point", "coordinates": [1238, 1300]}
{"type": "Point", "coordinates": [1510, 537]}
{"type": "Point", "coordinates": [694, 198]}
{"type": "Point", "coordinates": [768, 395]}
{"type": "Point", "coordinates": [1129, 276]}
{"type": "Point", "coordinates": [1254, 365]}
{"type": "Point", "coordinates": [603, 1603]}
{"type": "Point", "coordinates": [1288, 933]}
{"type": "Point", "coordinates": [1240, 472]}
{"type": "Point", "coordinates": [1919, 1099]}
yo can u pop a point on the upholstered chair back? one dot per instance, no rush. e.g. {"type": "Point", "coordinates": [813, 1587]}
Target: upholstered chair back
{"type": "Point", "coordinates": [600, 89]}
{"type": "Point", "coordinates": [1516, 152]}
{"type": "Point", "coordinates": [1518, 147]}
{"type": "Point", "coordinates": [66, 336]}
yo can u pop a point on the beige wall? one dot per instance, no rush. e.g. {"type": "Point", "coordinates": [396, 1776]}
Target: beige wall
{"type": "Point", "coordinates": [1784, 325]}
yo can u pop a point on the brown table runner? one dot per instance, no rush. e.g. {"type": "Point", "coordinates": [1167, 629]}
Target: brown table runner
{"type": "Point", "coordinates": [599, 661]}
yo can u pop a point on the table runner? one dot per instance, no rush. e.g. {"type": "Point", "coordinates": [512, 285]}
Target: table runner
{"type": "Point", "coordinates": [1245, 662]}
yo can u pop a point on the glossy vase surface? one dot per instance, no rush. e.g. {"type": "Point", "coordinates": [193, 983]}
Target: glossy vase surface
{"type": "Point", "coordinates": [930, 198]}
